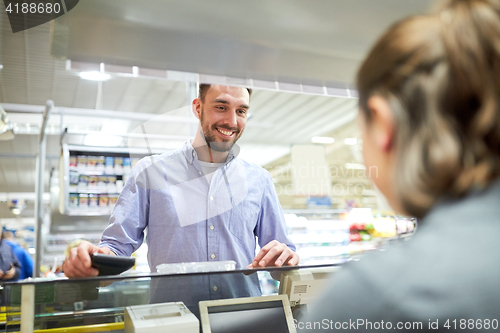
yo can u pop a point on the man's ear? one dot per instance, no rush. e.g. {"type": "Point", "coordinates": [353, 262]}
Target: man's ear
{"type": "Point", "coordinates": [381, 122]}
{"type": "Point", "coordinates": [196, 107]}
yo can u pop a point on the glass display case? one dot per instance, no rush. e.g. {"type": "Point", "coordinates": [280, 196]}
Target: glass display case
{"type": "Point", "coordinates": [98, 304]}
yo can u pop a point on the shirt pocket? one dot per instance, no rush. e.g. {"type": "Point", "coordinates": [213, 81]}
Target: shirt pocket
{"type": "Point", "coordinates": [242, 220]}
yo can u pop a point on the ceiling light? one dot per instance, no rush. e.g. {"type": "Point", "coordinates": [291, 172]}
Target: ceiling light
{"type": "Point", "coordinates": [16, 206]}
{"type": "Point", "coordinates": [94, 76]}
{"type": "Point", "coordinates": [322, 139]}
{"type": "Point", "coordinates": [6, 129]}
{"type": "Point", "coordinates": [1, 66]}
{"type": "Point", "coordinates": [351, 141]}
{"type": "Point", "coordinates": [102, 140]}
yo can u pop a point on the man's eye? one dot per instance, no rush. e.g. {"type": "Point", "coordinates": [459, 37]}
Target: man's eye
{"type": "Point", "coordinates": [242, 111]}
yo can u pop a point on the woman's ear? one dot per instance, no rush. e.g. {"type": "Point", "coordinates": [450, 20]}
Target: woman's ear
{"type": "Point", "coordinates": [381, 122]}
{"type": "Point", "coordinates": [196, 107]}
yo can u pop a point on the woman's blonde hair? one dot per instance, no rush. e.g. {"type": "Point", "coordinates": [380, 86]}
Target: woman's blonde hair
{"type": "Point", "coordinates": [441, 76]}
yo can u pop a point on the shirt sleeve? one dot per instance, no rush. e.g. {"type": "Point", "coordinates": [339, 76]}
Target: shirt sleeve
{"type": "Point", "coordinates": [125, 232]}
{"type": "Point", "coordinates": [27, 265]}
{"type": "Point", "coordinates": [271, 223]}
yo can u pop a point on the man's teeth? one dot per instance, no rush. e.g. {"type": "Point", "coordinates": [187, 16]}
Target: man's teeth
{"type": "Point", "coordinates": [228, 133]}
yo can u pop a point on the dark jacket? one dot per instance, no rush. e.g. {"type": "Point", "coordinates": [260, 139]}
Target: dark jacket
{"type": "Point", "coordinates": [7, 257]}
{"type": "Point", "coordinates": [23, 258]}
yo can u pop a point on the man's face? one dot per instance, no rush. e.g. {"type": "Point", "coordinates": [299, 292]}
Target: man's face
{"type": "Point", "coordinates": [223, 116]}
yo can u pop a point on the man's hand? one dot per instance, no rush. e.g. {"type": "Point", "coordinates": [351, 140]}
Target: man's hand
{"type": "Point", "coordinates": [78, 263]}
{"type": "Point", "coordinates": [10, 273]}
{"type": "Point", "coordinates": [274, 253]}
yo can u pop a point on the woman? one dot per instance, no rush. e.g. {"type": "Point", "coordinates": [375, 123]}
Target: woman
{"type": "Point", "coordinates": [430, 117]}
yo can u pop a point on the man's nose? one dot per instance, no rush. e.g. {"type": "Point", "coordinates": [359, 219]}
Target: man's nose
{"type": "Point", "coordinates": [231, 119]}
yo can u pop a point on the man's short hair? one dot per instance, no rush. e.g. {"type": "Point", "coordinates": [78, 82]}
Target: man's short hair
{"type": "Point", "coordinates": [202, 91]}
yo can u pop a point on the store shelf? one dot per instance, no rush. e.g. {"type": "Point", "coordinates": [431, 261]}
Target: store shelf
{"type": "Point", "coordinates": [96, 172]}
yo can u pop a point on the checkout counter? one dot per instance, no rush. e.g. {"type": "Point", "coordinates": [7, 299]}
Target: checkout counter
{"type": "Point", "coordinates": [111, 303]}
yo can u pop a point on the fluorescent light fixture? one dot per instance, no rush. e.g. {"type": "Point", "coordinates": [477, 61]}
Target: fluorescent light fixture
{"type": "Point", "coordinates": [351, 141]}
{"type": "Point", "coordinates": [1, 66]}
{"type": "Point", "coordinates": [355, 166]}
{"type": "Point", "coordinates": [322, 139]}
{"type": "Point", "coordinates": [6, 128]}
{"type": "Point", "coordinates": [102, 140]}
{"type": "Point", "coordinates": [94, 76]}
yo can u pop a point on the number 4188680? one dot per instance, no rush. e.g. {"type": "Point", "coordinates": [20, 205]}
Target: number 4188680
{"type": "Point", "coordinates": [471, 324]}
{"type": "Point", "coordinates": [33, 8]}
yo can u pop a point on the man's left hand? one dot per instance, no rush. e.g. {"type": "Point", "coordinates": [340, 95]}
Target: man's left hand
{"type": "Point", "coordinates": [274, 253]}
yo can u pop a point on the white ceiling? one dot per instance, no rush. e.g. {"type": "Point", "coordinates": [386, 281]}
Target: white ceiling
{"type": "Point", "coordinates": [318, 43]}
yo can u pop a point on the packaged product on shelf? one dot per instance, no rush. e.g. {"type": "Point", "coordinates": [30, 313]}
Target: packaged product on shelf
{"type": "Point", "coordinates": [119, 185]}
{"type": "Point", "coordinates": [102, 182]}
{"type": "Point", "coordinates": [93, 181]}
{"type": "Point", "coordinates": [83, 182]}
{"type": "Point", "coordinates": [103, 200]}
{"type": "Point", "coordinates": [134, 161]}
{"type": "Point", "coordinates": [72, 162]}
{"type": "Point", "coordinates": [81, 162]}
{"type": "Point", "coordinates": [83, 200]}
{"type": "Point", "coordinates": [73, 179]}
{"type": "Point", "coordinates": [91, 162]}
{"type": "Point", "coordinates": [118, 165]}
{"type": "Point", "coordinates": [109, 165]}
{"type": "Point", "coordinates": [111, 187]}
{"type": "Point", "coordinates": [73, 200]}
{"type": "Point", "coordinates": [93, 200]}
{"type": "Point", "coordinates": [99, 166]}
{"type": "Point", "coordinates": [113, 198]}
{"type": "Point", "coordinates": [126, 165]}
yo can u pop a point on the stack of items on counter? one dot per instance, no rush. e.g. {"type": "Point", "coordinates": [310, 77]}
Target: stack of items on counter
{"type": "Point", "coordinates": [96, 181]}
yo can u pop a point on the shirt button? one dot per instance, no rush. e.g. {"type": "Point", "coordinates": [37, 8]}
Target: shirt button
{"type": "Point", "coordinates": [212, 227]}
{"type": "Point", "coordinates": [199, 172]}
{"type": "Point", "coordinates": [215, 288]}
{"type": "Point", "coordinates": [211, 198]}
{"type": "Point", "coordinates": [212, 256]}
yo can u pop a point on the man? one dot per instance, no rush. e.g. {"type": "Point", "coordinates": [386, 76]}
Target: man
{"type": "Point", "coordinates": [9, 265]}
{"type": "Point", "coordinates": [21, 254]}
{"type": "Point", "coordinates": [199, 203]}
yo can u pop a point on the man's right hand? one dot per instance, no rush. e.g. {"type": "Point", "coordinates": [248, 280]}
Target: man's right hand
{"type": "Point", "coordinates": [78, 263]}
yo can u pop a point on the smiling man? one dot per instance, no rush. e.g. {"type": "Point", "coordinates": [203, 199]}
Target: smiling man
{"type": "Point", "coordinates": [199, 203]}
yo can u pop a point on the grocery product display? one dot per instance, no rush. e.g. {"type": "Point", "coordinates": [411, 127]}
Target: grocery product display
{"type": "Point", "coordinates": [329, 235]}
{"type": "Point", "coordinates": [93, 179]}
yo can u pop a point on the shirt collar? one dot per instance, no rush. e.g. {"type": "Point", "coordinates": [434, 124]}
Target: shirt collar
{"type": "Point", "coordinates": [190, 153]}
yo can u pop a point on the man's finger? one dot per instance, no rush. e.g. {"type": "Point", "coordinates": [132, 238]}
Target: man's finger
{"type": "Point", "coordinates": [263, 251]}
{"type": "Point", "coordinates": [283, 257]}
{"type": "Point", "coordinates": [272, 255]}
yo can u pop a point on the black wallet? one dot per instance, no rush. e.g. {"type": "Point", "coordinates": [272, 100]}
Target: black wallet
{"type": "Point", "coordinates": [108, 264]}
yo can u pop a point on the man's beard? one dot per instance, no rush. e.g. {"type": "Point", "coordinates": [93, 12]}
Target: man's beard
{"type": "Point", "coordinates": [210, 138]}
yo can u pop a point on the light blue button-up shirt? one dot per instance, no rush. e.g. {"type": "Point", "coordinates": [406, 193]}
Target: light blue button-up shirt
{"type": "Point", "coordinates": [189, 220]}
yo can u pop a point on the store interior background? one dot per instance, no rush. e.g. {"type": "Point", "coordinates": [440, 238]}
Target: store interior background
{"type": "Point", "coordinates": [299, 56]}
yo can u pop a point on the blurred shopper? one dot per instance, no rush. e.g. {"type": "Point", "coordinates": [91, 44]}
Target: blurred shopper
{"type": "Point", "coordinates": [199, 203]}
{"type": "Point", "coordinates": [21, 254]}
{"type": "Point", "coordinates": [9, 265]}
{"type": "Point", "coordinates": [429, 99]}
